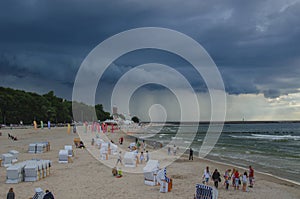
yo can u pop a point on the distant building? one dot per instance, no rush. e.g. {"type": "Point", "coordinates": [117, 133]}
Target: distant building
{"type": "Point", "coordinates": [115, 110]}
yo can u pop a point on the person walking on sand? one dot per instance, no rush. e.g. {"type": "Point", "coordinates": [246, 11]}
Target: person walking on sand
{"type": "Point", "coordinates": [169, 150]}
{"type": "Point", "coordinates": [119, 158]}
{"type": "Point", "coordinates": [191, 154]}
{"type": "Point", "coordinates": [206, 175]}
{"type": "Point", "coordinates": [216, 177]}
{"type": "Point", "coordinates": [174, 150]}
{"type": "Point", "coordinates": [142, 157]}
{"type": "Point", "coordinates": [10, 194]}
{"type": "Point", "coordinates": [244, 180]}
{"type": "Point", "coordinates": [227, 178]}
{"type": "Point", "coordinates": [251, 176]}
{"type": "Point", "coordinates": [48, 195]}
{"type": "Point", "coordinates": [147, 156]}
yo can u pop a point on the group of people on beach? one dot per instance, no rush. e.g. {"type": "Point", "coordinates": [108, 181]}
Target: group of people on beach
{"type": "Point", "coordinates": [175, 149]}
{"type": "Point", "coordinates": [140, 158]}
{"type": "Point", "coordinates": [11, 194]}
{"type": "Point", "coordinates": [236, 178]}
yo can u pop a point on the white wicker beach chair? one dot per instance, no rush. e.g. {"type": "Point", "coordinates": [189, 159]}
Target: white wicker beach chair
{"type": "Point", "coordinates": [205, 192]}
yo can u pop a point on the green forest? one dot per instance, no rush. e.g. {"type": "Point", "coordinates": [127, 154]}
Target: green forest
{"type": "Point", "coordinates": [17, 105]}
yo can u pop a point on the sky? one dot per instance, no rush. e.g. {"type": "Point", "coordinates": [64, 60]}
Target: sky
{"type": "Point", "coordinates": [254, 44]}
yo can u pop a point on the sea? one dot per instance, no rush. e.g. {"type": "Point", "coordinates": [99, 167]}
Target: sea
{"type": "Point", "coordinates": [271, 147]}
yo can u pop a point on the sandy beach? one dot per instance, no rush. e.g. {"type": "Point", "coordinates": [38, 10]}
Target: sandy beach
{"type": "Point", "coordinates": [87, 177]}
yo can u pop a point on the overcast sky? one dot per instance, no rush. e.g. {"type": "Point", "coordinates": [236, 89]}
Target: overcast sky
{"type": "Point", "coordinates": [255, 45]}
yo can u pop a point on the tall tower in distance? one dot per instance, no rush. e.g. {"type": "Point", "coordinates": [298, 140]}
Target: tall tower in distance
{"type": "Point", "coordinates": [115, 110]}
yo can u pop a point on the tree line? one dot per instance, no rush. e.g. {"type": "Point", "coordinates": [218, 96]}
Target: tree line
{"type": "Point", "coordinates": [17, 105]}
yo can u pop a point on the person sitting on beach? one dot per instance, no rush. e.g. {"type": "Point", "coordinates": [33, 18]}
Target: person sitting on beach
{"type": "Point", "coordinates": [206, 175]}
{"type": "Point", "coordinates": [114, 171]}
{"type": "Point", "coordinates": [251, 176]}
{"type": "Point", "coordinates": [216, 178]}
{"type": "Point", "coordinates": [81, 145]}
{"type": "Point", "coordinates": [120, 173]}
{"type": "Point", "coordinates": [141, 157]}
{"type": "Point", "coordinates": [245, 179]}
{"type": "Point", "coordinates": [48, 195]}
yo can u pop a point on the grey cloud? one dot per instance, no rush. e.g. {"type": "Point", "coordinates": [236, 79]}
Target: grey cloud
{"type": "Point", "coordinates": [255, 44]}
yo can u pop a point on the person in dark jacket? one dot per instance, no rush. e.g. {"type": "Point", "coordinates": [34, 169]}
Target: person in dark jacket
{"type": "Point", "coordinates": [10, 194]}
{"type": "Point", "coordinates": [48, 195]}
{"type": "Point", "coordinates": [216, 177]}
{"type": "Point", "coordinates": [191, 154]}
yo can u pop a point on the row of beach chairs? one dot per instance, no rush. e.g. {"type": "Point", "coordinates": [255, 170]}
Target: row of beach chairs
{"type": "Point", "coordinates": [39, 147]}
{"type": "Point", "coordinates": [28, 171]}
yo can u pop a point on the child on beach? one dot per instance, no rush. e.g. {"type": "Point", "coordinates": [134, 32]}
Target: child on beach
{"type": "Point", "coordinates": [245, 179]}
{"type": "Point", "coordinates": [206, 175]}
{"type": "Point", "coordinates": [119, 158]}
{"type": "Point", "coordinates": [142, 157]}
{"type": "Point", "coordinates": [227, 178]}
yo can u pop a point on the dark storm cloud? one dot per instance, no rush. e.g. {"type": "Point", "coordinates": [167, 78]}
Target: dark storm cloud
{"type": "Point", "coordinates": [255, 44]}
